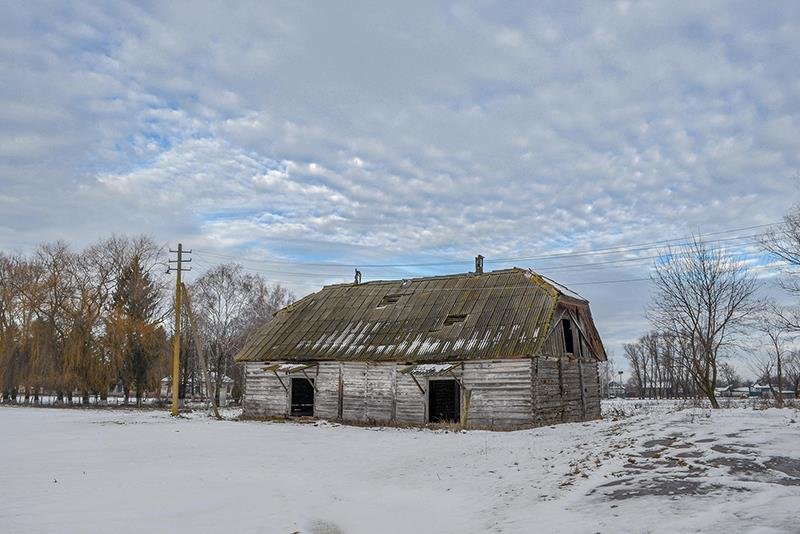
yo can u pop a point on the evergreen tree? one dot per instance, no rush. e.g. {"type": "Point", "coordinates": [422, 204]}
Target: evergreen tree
{"type": "Point", "coordinates": [136, 338]}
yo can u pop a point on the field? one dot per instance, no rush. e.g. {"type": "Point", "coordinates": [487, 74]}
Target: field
{"type": "Point", "coordinates": [647, 467]}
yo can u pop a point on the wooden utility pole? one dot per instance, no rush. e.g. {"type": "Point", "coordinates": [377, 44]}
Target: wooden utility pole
{"type": "Point", "coordinates": [176, 340]}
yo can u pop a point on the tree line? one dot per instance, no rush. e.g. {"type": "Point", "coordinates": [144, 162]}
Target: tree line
{"type": "Point", "coordinates": [707, 305]}
{"type": "Point", "coordinates": [92, 320]}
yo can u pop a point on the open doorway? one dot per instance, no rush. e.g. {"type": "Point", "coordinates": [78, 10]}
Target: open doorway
{"type": "Point", "coordinates": [444, 401]}
{"type": "Point", "coordinates": [302, 397]}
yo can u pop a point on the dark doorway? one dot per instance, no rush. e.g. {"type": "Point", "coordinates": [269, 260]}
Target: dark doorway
{"type": "Point", "coordinates": [568, 343]}
{"type": "Point", "coordinates": [444, 401]}
{"type": "Point", "coordinates": [302, 396]}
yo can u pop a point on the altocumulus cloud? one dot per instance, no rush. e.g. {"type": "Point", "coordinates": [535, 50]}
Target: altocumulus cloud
{"type": "Point", "coordinates": [385, 134]}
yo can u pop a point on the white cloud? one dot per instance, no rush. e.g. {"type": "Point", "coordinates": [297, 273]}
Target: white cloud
{"type": "Point", "coordinates": [398, 134]}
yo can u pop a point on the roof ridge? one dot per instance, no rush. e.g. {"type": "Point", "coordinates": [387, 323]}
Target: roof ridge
{"type": "Point", "coordinates": [432, 277]}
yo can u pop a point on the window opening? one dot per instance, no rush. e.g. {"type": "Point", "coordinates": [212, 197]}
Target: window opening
{"type": "Point", "coordinates": [455, 318]}
{"type": "Point", "coordinates": [568, 341]}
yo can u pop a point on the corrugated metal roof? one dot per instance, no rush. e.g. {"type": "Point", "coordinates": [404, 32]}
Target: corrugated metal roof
{"type": "Point", "coordinates": [498, 314]}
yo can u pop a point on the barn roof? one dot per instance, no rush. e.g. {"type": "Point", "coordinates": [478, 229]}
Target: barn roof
{"type": "Point", "coordinates": [498, 314]}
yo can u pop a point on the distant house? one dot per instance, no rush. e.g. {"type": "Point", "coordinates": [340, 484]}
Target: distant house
{"type": "Point", "coordinates": [723, 392]}
{"type": "Point", "coordinates": [117, 390]}
{"type": "Point", "coordinates": [765, 391]}
{"type": "Point", "coordinates": [616, 389]}
{"type": "Point", "coordinates": [501, 349]}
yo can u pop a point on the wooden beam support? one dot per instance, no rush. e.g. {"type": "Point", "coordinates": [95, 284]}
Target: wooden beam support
{"type": "Point", "coordinates": [555, 324]}
{"type": "Point", "coordinates": [456, 379]}
{"type": "Point", "coordinates": [310, 381]}
{"type": "Point", "coordinates": [583, 335]}
{"type": "Point", "coordinates": [281, 381]}
{"type": "Point", "coordinates": [414, 378]}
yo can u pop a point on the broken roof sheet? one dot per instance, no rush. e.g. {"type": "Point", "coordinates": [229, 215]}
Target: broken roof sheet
{"type": "Point", "coordinates": [431, 369]}
{"type": "Point", "coordinates": [470, 316]}
{"type": "Point", "coordinates": [288, 368]}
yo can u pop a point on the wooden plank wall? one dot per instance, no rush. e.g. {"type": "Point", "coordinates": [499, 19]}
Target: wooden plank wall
{"type": "Point", "coordinates": [354, 380]}
{"type": "Point", "coordinates": [326, 398]}
{"type": "Point", "coordinates": [411, 403]}
{"type": "Point", "coordinates": [264, 395]}
{"type": "Point", "coordinates": [591, 378]}
{"type": "Point", "coordinates": [553, 344]}
{"type": "Point", "coordinates": [379, 392]}
{"type": "Point", "coordinates": [501, 393]}
{"type": "Point", "coordinates": [546, 391]}
{"type": "Point", "coordinates": [564, 390]}
{"type": "Point", "coordinates": [507, 393]}
{"type": "Point", "coordinates": [571, 391]}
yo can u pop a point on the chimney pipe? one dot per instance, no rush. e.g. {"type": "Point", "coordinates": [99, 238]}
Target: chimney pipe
{"type": "Point", "coordinates": [357, 277]}
{"type": "Point", "coordinates": [478, 264]}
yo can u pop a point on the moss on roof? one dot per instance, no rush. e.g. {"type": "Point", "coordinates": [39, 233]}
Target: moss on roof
{"type": "Point", "coordinates": [498, 314]}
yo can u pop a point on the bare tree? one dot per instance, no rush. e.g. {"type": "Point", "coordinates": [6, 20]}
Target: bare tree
{"type": "Point", "coordinates": [769, 364]}
{"type": "Point", "coordinates": [637, 358]}
{"type": "Point", "coordinates": [728, 374]}
{"type": "Point", "coordinates": [792, 371]}
{"type": "Point", "coordinates": [47, 290]}
{"type": "Point", "coordinates": [11, 335]}
{"type": "Point", "coordinates": [656, 365]}
{"type": "Point", "coordinates": [54, 317]}
{"type": "Point", "coordinates": [91, 319]}
{"type": "Point", "coordinates": [607, 373]}
{"type": "Point", "coordinates": [783, 242]}
{"type": "Point", "coordinates": [229, 304]}
{"type": "Point", "coordinates": [704, 299]}
{"type": "Point", "coordinates": [93, 276]}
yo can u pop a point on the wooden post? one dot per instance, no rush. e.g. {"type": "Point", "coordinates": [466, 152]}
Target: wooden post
{"type": "Point", "coordinates": [583, 395]}
{"type": "Point", "coordinates": [340, 407]}
{"type": "Point", "coordinates": [394, 392]}
{"type": "Point", "coordinates": [561, 386]}
{"type": "Point", "coordinates": [467, 394]}
{"type": "Point", "coordinates": [176, 340]}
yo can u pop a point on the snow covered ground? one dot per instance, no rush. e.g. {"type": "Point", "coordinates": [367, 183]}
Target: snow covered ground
{"type": "Point", "coordinates": [649, 467]}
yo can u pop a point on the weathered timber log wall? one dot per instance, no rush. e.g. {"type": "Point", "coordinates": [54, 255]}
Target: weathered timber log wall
{"type": "Point", "coordinates": [564, 390]}
{"type": "Point", "coordinates": [502, 394]}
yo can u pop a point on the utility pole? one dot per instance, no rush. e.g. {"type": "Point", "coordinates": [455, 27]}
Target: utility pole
{"type": "Point", "coordinates": [176, 341]}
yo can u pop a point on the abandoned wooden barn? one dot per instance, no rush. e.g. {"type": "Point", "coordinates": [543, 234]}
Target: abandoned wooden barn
{"type": "Point", "coordinates": [502, 349]}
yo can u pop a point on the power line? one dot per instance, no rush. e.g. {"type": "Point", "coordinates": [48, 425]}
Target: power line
{"type": "Point", "coordinates": [760, 268]}
{"type": "Point", "coordinates": [560, 268]}
{"type": "Point", "coordinates": [599, 251]}
{"type": "Point", "coordinates": [580, 266]}
{"type": "Point", "coordinates": [204, 263]}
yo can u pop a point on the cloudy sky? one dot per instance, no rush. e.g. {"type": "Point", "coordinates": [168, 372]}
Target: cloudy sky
{"type": "Point", "coordinates": [404, 139]}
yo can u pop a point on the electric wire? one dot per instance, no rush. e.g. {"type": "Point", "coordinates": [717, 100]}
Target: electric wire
{"type": "Point", "coordinates": [607, 250]}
